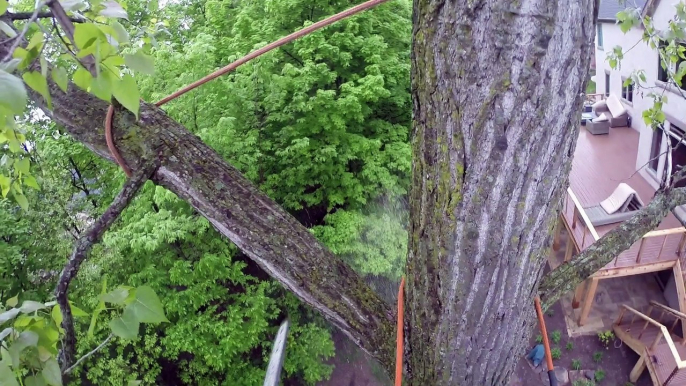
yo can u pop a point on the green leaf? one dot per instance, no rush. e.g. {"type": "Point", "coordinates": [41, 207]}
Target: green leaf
{"type": "Point", "coordinates": [6, 332]}
{"type": "Point", "coordinates": [24, 340]}
{"type": "Point", "coordinates": [12, 302]}
{"type": "Point", "coordinates": [56, 315]}
{"type": "Point", "coordinates": [51, 372]}
{"type": "Point", "coordinates": [101, 307]}
{"type": "Point", "coordinates": [22, 165]}
{"type": "Point", "coordinates": [113, 9]}
{"type": "Point", "coordinates": [83, 78]}
{"type": "Point", "coordinates": [126, 326]}
{"type": "Point", "coordinates": [7, 377]}
{"type": "Point", "coordinates": [31, 182]}
{"type": "Point", "coordinates": [29, 306]}
{"type": "Point", "coordinates": [85, 34]}
{"type": "Point", "coordinates": [102, 87]}
{"type": "Point", "coordinates": [12, 92]}
{"type": "Point", "coordinates": [4, 4]}
{"type": "Point", "coordinates": [34, 380]}
{"type": "Point", "coordinates": [117, 296]}
{"type": "Point", "coordinates": [147, 306]}
{"type": "Point", "coordinates": [10, 65]}
{"type": "Point", "coordinates": [122, 35]}
{"type": "Point", "coordinates": [5, 28]}
{"type": "Point", "coordinates": [73, 5]}
{"type": "Point", "coordinates": [8, 315]}
{"type": "Point", "coordinates": [59, 76]}
{"type": "Point", "coordinates": [5, 184]}
{"type": "Point", "coordinates": [36, 41]}
{"type": "Point", "coordinates": [76, 311]}
{"type": "Point", "coordinates": [37, 81]}
{"type": "Point", "coordinates": [134, 383]}
{"type": "Point", "coordinates": [126, 92]}
{"type": "Point", "coordinates": [140, 62]}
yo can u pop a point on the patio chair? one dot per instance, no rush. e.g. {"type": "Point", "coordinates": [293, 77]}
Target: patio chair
{"type": "Point", "coordinates": [599, 125]}
{"type": "Point", "coordinates": [623, 203]}
{"type": "Point", "coordinates": [615, 110]}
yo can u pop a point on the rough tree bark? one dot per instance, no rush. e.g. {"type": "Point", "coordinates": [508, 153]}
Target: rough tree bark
{"type": "Point", "coordinates": [497, 91]}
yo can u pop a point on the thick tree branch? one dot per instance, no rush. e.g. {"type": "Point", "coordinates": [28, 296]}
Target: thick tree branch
{"type": "Point", "coordinates": [19, 39]}
{"type": "Point", "coordinates": [40, 15]}
{"type": "Point", "coordinates": [265, 232]}
{"type": "Point", "coordinates": [566, 277]}
{"type": "Point", "coordinates": [82, 248]}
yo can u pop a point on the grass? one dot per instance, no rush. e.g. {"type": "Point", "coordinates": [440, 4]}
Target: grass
{"type": "Point", "coordinates": [556, 336]}
{"type": "Point", "coordinates": [556, 353]}
{"type": "Point", "coordinates": [576, 364]}
{"type": "Point", "coordinates": [570, 345]}
{"type": "Point", "coordinates": [598, 356]}
{"type": "Point", "coordinates": [599, 375]}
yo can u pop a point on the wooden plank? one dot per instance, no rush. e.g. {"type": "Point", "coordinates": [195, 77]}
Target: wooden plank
{"type": "Point", "coordinates": [569, 250]}
{"type": "Point", "coordinates": [635, 270]}
{"type": "Point", "coordinates": [583, 214]}
{"type": "Point", "coordinates": [588, 300]}
{"type": "Point", "coordinates": [638, 368]}
{"type": "Point", "coordinates": [681, 292]}
{"type": "Point", "coordinates": [578, 294]}
{"type": "Point", "coordinates": [665, 232]}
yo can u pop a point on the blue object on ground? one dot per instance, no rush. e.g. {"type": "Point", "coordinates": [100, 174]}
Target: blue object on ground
{"type": "Point", "coordinates": [536, 355]}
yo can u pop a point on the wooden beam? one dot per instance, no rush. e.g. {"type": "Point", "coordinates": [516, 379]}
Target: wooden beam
{"type": "Point", "coordinates": [635, 270]}
{"type": "Point", "coordinates": [665, 232]}
{"type": "Point", "coordinates": [556, 234]}
{"type": "Point", "coordinates": [578, 294]}
{"type": "Point", "coordinates": [588, 299]}
{"type": "Point", "coordinates": [569, 250]}
{"type": "Point", "coordinates": [638, 369]}
{"type": "Point", "coordinates": [681, 293]}
{"type": "Point", "coordinates": [582, 213]}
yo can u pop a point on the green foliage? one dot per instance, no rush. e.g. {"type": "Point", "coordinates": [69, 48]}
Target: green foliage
{"type": "Point", "coordinates": [599, 375]}
{"type": "Point", "coordinates": [598, 356]}
{"type": "Point", "coordinates": [556, 336]}
{"type": "Point", "coordinates": [570, 345]}
{"type": "Point", "coordinates": [582, 382]}
{"type": "Point", "coordinates": [606, 337]}
{"type": "Point", "coordinates": [539, 338]}
{"type": "Point", "coordinates": [556, 353]}
{"type": "Point", "coordinates": [576, 364]}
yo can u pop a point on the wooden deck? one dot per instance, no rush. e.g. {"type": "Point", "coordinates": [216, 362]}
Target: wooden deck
{"type": "Point", "coordinates": [600, 163]}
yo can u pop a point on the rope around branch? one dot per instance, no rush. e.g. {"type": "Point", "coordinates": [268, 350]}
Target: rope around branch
{"type": "Point", "coordinates": [285, 40]}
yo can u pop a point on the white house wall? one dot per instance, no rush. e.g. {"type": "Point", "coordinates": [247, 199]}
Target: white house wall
{"type": "Point", "coordinates": [639, 57]}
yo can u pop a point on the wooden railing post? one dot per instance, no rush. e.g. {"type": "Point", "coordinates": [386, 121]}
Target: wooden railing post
{"type": "Point", "coordinates": [657, 340]}
{"type": "Point", "coordinates": [619, 318]}
{"type": "Point", "coordinates": [575, 214]}
{"type": "Point", "coordinates": [680, 251]}
{"type": "Point", "coordinates": [583, 240]}
{"type": "Point", "coordinates": [640, 249]}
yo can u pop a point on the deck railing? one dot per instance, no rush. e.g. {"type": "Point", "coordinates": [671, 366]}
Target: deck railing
{"type": "Point", "coordinates": [663, 333]}
{"type": "Point", "coordinates": [589, 234]}
{"type": "Point", "coordinates": [588, 230]}
{"type": "Point", "coordinates": [595, 97]}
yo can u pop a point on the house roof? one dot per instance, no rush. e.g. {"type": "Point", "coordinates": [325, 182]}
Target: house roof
{"type": "Point", "coordinates": [608, 8]}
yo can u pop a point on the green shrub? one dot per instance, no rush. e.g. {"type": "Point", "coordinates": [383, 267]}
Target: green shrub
{"type": "Point", "coordinates": [550, 312]}
{"type": "Point", "coordinates": [570, 345]}
{"type": "Point", "coordinates": [539, 338]}
{"type": "Point", "coordinates": [576, 364]}
{"type": "Point", "coordinates": [606, 337]}
{"type": "Point", "coordinates": [556, 353]}
{"type": "Point", "coordinates": [599, 375]}
{"type": "Point", "coordinates": [556, 336]}
{"type": "Point", "coordinates": [598, 356]}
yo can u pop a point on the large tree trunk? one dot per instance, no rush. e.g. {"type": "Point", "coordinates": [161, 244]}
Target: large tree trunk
{"type": "Point", "coordinates": [497, 94]}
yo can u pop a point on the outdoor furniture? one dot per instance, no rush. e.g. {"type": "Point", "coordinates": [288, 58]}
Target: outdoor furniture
{"type": "Point", "coordinates": [613, 106]}
{"type": "Point", "coordinates": [599, 125]}
{"type": "Point", "coordinates": [623, 203]}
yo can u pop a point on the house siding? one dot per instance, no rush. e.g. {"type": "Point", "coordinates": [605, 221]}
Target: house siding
{"type": "Point", "coordinates": [639, 57]}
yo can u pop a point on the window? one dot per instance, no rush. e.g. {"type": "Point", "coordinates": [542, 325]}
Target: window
{"type": "Point", "coordinates": [655, 148]}
{"type": "Point", "coordinates": [599, 34]}
{"type": "Point", "coordinates": [607, 84]}
{"type": "Point", "coordinates": [663, 74]}
{"type": "Point", "coordinates": [627, 90]}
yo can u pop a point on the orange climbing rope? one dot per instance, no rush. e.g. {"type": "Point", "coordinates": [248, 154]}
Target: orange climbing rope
{"type": "Point", "coordinates": [399, 339]}
{"type": "Point", "coordinates": [287, 39]}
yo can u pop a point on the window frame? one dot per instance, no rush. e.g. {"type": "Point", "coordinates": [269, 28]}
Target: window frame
{"type": "Point", "coordinates": [599, 35]}
{"type": "Point", "coordinates": [607, 84]}
{"type": "Point", "coordinates": [628, 91]}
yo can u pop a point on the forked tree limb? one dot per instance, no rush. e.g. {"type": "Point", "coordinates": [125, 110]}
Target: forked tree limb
{"type": "Point", "coordinates": [83, 247]}
{"type": "Point", "coordinates": [569, 275]}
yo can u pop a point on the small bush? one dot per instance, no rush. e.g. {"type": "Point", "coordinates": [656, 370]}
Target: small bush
{"type": "Point", "coordinates": [556, 336]}
{"type": "Point", "coordinates": [550, 312]}
{"type": "Point", "coordinates": [576, 364]}
{"type": "Point", "coordinates": [599, 375]}
{"type": "Point", "coordinates": [582, 382]}
{"type": "Point", "coordinates": [556, 353]}
{"type": "Point", "coordinates": [606, 337]}
{"type": "Point", "coordinates": [570, 345]}
{"type": "Point", "coordinates": [539, 338]}
{"type": "Point", "coordinates": [598, 356]}
{"type": "Point", "coordinates": [628, 384]}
